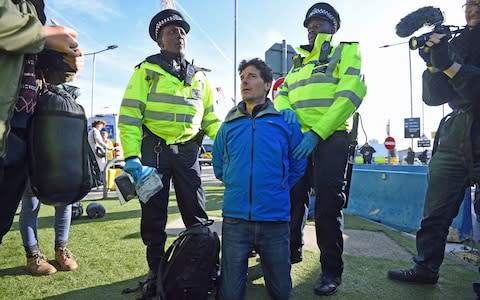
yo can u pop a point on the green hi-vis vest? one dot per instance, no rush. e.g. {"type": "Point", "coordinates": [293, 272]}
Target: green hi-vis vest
{"type": "Point", "coordinates": [169, 108]}
{"type": "Point", "coordinates": [324, 94]}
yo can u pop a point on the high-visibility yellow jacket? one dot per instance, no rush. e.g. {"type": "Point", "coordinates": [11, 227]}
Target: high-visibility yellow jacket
{"type": "Point", "coordinates": [169, 108]}
{"type": "Point", "coordinates": [324, 95]}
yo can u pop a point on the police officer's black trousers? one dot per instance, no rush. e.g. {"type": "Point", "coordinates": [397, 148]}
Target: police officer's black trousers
{"type": "Point", "coordinates": [178, 163]}
{"type": "Point", "coordinates": [329, 162]}
{"type": "Point", "coordinates": [299, 201]}
{"type": "Point", "coordinates": [327, 166]}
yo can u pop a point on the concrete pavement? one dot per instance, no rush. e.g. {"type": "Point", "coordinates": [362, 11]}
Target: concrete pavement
{"type": "Point", "coordinates": [356, 242]}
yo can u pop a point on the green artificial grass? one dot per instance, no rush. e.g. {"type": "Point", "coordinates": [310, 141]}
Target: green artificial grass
{"type": "Point", "coordinates": [111, 257]}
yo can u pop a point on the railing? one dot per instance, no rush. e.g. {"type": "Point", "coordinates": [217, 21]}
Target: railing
{"type": "Point", "coordinates": [105, 174]}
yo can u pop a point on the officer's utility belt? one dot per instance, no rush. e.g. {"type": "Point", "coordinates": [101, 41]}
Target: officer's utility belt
{"type": "Point", "coordinates": [197, 139]}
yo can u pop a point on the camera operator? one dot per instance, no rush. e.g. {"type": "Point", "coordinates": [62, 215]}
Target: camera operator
{"type": "Point", "coordinates": [453, 77]}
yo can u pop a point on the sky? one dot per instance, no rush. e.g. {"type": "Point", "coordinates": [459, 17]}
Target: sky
{"type": "Point", "coordinates": [260, 24]}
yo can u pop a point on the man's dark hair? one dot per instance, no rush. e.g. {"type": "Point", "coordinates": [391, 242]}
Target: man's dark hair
{"type": "Point", "coordinates": [265, 70]}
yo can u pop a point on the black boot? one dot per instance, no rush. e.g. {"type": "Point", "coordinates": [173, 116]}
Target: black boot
{"type": "Point", "coordinates": [416, 275]}
{"type": "Point", "coordinates": [476, 288]}
{"type": "Point", "coordinates": [327, 285]}
{"type": "Point", "coordinates": [295, 255]}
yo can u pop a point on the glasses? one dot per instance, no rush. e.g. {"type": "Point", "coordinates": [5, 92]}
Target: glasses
{"type": "Point", "coordinates": [471, 4]}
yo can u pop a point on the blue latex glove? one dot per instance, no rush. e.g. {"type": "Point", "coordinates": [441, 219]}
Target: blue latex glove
{"type": "Point", "coordinates": [134, 167]}
{"type": "Point", "coordinates": [289, 116]}
{"type": "Point", "coordinates": [307, 145]}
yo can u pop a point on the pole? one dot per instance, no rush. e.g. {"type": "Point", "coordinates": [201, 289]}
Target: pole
{"type": "Point", "coordinates": [93, 84]}
{"type": "Point", "coordinates": [111, 47]}
{"type": "Point", "coordinates": [235, 53]}
{"type": "Point", "coordinates": [411, 89]}
{"type": "Point", "coordinates": [284, 58]}
{"type": "Point", "coordinates": [423, 118]}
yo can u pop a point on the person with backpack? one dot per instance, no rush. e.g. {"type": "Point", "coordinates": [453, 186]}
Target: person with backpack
{"type": "Point", "coordinates": [24, 38]}
{"type": "Point", "coordinates": [258, 175]}
{"type": "Point", "coordinates": [167, 106]}
{"type": "Point", "coordinates": [423, 157]}
{"type": "Point", "coordinates": [367, 153]}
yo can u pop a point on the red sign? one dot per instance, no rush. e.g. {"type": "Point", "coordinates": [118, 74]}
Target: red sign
{"type": "Point", "coordinates": [389, 143]}
{"type": "Point", "coordinates": [276, 85]}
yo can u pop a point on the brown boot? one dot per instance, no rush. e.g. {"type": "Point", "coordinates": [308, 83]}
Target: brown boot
{"type": "Point", "coordinates": [37, 265]}
{"type": "Point", "coordinates": [65, 259]}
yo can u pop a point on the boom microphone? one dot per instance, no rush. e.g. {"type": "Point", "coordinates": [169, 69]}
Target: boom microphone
{"type": "Point", "coordinates": [425, 16]}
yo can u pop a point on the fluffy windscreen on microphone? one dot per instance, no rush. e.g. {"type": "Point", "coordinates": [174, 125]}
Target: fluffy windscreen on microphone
{"type": "Point", "coordinates": [425, 16]}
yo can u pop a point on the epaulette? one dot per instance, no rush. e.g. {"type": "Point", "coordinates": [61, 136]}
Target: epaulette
{"type": "Point", "coordinates": [138, 65]}
{"type": "Point", "coordinates": [201, 69]}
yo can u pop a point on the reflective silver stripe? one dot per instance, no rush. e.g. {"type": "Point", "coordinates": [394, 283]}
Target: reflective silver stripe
{"type": "Point", "coordinates": [352, 71]}
{"type": "Point", "coordinates": [151, 75]}
{"type": "Point", "coordinates": [130, 121]}
{"type": "Point", "coordinates": [167, 98]}
{"type": "Point", "coordinates": [164, 116]}
{"type": "Point", "coordinates": [326, 102]}
{"type": "Point", "coordinates": [184, 118]}
{"type": "Point", "coordinates": [133, 103]}
{"type": "Point", "coordinates": [282, 93]}
{"type": "Point", "coordinates": [313, 79]}
{"type": "Point", "coordinates": [334, 60]}
{"type": "Point", "coordinates": [350, 95]}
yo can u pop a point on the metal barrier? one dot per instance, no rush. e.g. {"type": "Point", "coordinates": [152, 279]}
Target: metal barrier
{"type": "Point", "coordinates": [105, 174]}
{"type": "Point", "coordinates": [392, 195]}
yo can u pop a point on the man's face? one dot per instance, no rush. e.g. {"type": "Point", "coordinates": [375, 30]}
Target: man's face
{"type": "Point", "coordinates": [252, 86]}
{"type": "Point", "coordinates": [472, 12]}
{"type": "Point", "coordinates": [316, 26]}
{"type": "Point", "coordinates": [172, 38]}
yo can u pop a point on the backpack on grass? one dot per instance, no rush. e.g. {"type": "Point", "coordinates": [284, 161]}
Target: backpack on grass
{"type": "Point", "coordinates": [190, 266]}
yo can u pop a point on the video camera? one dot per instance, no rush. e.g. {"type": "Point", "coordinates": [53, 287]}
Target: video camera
{"type": "Point", "coordinates": [425, 16]}
{"type": "Point", "coordinates": [416, 42]}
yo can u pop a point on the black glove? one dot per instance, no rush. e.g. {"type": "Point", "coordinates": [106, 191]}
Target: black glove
{"type": "Point", "coordinates": [440, 56]}
{"type": "Point", "coordinates": [425, 56]}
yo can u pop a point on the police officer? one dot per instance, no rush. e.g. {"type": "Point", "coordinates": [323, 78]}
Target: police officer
{"type": "Point", "coordinates": [322, 91]}
{"type": "Point", "coordinates": [166, 103]}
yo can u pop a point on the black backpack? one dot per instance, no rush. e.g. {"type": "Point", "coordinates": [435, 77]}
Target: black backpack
{"type": "Point", "coordinates": [57, 137]}
{"type": "Point", "coordinates": [190, 267]}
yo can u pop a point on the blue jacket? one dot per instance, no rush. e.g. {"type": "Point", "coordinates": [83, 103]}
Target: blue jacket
{"type": "Point", "coordinates": [253, 157]}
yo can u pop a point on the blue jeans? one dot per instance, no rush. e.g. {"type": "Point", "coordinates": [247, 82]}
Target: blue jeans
{"type": "Point", "coordinates": [271, 241]}
{"type": "Point", "coordinates": [29, 221]}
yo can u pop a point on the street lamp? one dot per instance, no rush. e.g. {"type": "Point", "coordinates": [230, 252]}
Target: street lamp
{"type": "Point", "coordinates": [111, 47]}
{"type": "Point", "coordinates": [410, 78]}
